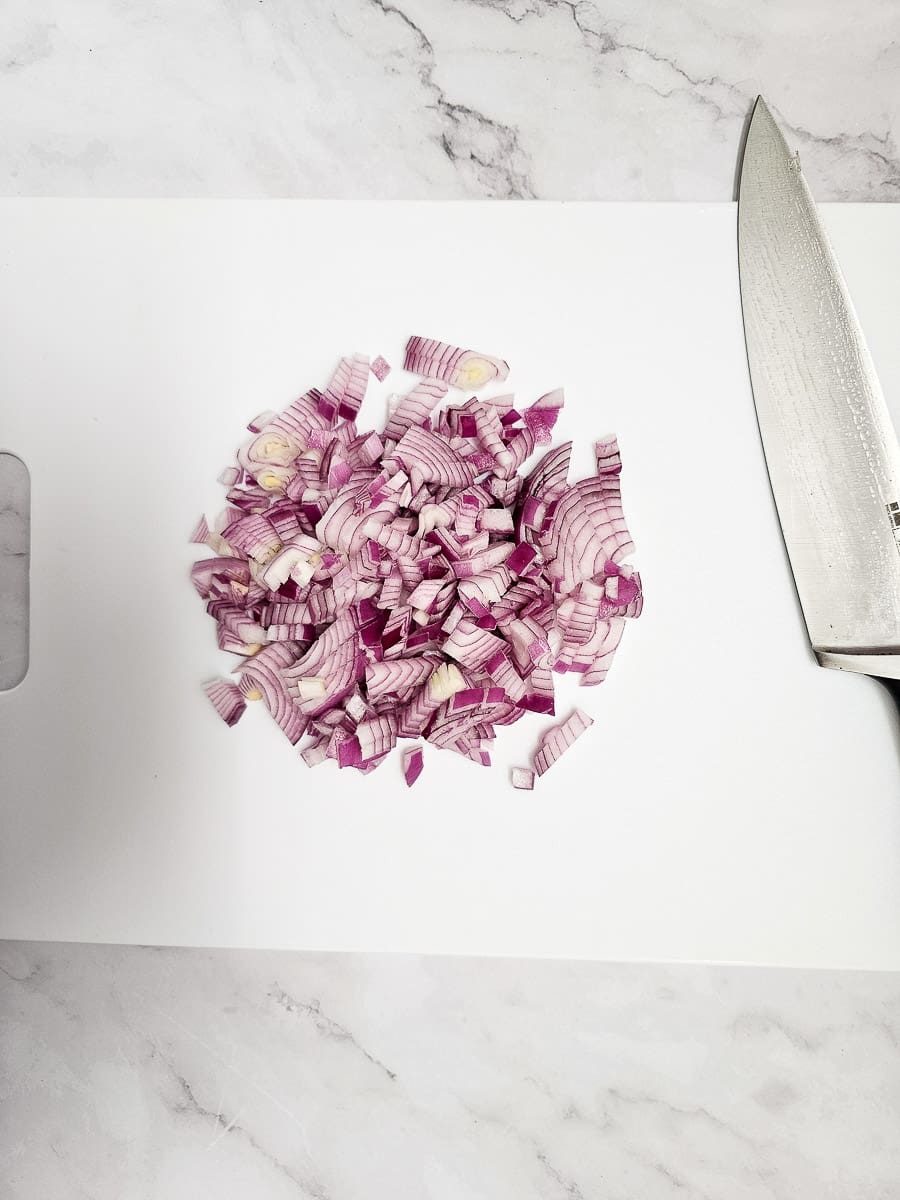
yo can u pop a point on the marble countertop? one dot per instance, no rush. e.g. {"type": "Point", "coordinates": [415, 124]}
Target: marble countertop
{"type": "Point", "coordinates": [168, 1075]}
{"type": "Point", "coordinates": [151, 1073]}
{"type": "Point", "coordinates": [571, 99]}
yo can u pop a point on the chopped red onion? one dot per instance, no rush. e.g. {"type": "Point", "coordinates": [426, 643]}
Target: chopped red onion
{"type": "Point", "coordinates": [522, 778]}
{"type": "Point", "coordinates": [316, 752]}
{"type": "Point", "coordinates": [606, 451]}
{"type": "Point", "coordinates": [412, 764]}
{"type": "Point", "coordinates": [230, 476]}
{"type": "Point", "coordinates": [460, 368]}
{"type": "Point", "coordinates": [495, 520]}
{"type": "Point", "coordinates": [411, 583]}
{"type": "Point", "coordinates": [227, 699]}
{"type": "Point", "coordinates": [541, 416]}
{"type": "Point", "coordinates": [258, 424]}
{"type": "Point", "coordinates": [200, 536]}
{"type": "Point", "coordinates": [380, 368]}
{"type": "Point", "coordinates": [558, 738]}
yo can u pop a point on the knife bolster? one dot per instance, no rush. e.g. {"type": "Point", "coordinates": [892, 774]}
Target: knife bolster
{"type": "Point", "coordinates": [885, 664]}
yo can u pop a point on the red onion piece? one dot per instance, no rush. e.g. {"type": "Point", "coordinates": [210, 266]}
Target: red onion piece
{"type": "Point", "coordinates": [380, 368]}
{"type": "Point", "coordinates": [262, 675]}
{"type": "Point", "coordinates": [495, 520]}
{"type": "Point", "coordinates": [522, 778]}
{"type": "Point", "coordinates": [414, 408]}
{"type": "Point", "coordinates": [227, 699]}
{"type": "Point", "coordinates": [315, 753]}
{"type": "Point", "coordinates": [258, 424]}
{"type": "Point", "coordinates": [460, 368]}
{"type": "Point", "coordinates": [230, 476]}
{"type": "Point", "coordinates": [541, 416]}
{"type": "Point", "coordinates": [606, 451]}
{"type": "Point", "coordinates": [558, 738]}
{"type": "Point", "coordinates": [412, 764]}
{"type": "Point", "coordinates": [201, 532]}
{"type": "Point", "coordinates": [429, 458]}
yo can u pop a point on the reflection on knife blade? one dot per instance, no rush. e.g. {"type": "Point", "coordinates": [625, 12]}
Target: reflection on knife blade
{"type": "Point", "coordinates": [830, 446]}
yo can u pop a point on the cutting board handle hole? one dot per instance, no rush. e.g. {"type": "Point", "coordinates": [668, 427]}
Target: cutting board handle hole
{"type": "Point", "coordinates": [15, 561]}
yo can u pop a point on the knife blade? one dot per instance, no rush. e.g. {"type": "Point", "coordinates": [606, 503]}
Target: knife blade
{"type": "Point", "coordinates": [830, 446]}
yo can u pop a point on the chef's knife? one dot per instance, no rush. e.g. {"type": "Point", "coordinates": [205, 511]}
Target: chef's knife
{"type": "Point", "coordinates": [830, 446]}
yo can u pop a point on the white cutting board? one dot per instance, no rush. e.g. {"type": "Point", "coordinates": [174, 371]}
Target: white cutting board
{"type": "Point", "coordinates": [732, 802]}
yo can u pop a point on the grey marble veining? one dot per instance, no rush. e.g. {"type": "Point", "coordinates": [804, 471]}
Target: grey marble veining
{"type": "Point", "coordinates": [601, 99]}
{"type": "Point", "coordinates": [164, 1074]}
{"type": "Point", "coordinates": [143, 1074]}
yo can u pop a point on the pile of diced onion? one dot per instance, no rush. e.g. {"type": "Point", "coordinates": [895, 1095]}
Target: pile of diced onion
{"type": "Point", "coordinates": [420, 582]}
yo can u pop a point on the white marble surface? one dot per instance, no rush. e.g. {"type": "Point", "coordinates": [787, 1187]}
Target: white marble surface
{"type": "Point", "coordinates": [141, 1074]}
{"type": "Point", "coordinates": [619, 99]}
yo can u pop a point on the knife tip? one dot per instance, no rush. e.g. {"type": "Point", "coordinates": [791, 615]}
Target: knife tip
{"type": "Point", "coordinates": [760, 108]}
{"type": "Point", "coordinates": [762, 130]}
{"type": "Point", "coordinates": [758, 117]}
